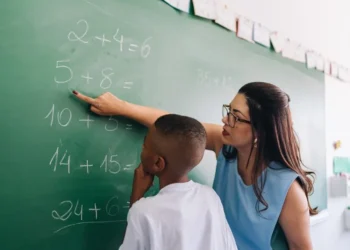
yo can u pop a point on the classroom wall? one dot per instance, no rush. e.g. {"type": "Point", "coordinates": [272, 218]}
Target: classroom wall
{"type": "Point", "coordinates": [337, 120]}
{"type": "Point", "coordinates": [322, 25]}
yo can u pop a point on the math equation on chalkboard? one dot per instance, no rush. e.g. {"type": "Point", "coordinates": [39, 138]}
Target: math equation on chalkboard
{"type": "Point", "coordinates": [109, 163]}
{"type": "Point", "coordinates": [105, 78]}
{"type": "Point", "coordinates": [63, 160]}
{"type": "Point", "coordinates": [64, 117]}
{"type": "Point", "coordinates": [82, 36]}
{"type": "Point", "coordinates": [75, 212]}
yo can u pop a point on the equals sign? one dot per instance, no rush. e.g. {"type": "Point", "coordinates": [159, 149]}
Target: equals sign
{"type": "Point", "coordinates": [128, 126]}
{"type": "Point", "coordinates": [128, 205]}
{"type": "Point", "coordinates": [133, 47]}
{"type": "Point", "coordinates": [128, 167]}
{"type": "Point", "coordinates": [127, 85]}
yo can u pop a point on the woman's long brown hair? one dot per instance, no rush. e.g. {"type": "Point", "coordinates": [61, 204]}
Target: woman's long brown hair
{"type": "Point", "coordinates": [272, 125]}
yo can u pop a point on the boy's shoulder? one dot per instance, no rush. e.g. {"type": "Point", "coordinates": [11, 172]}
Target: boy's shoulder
{"type": "Point", "coordinates": [139, 205]}
{"type": "Point", "coordinates": [206, 188]}
{"type": "Point", "coordinates": [137, 211]}
{"type": "Point", "coordinates": [143, 205]}
{"type": "Point", "coordinates": [145, 210]}
{"type": "Point", "coordinates": [208, 191]}
{"type": "Point", "coordinates": [149, 204]}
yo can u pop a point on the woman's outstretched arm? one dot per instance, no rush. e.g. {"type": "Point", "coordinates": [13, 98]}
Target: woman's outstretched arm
{"type": "Point", "coordinates": [107, 105]}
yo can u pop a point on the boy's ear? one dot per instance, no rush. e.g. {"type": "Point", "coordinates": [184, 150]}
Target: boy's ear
{"type": "Point", "coordinates": [159, 164]}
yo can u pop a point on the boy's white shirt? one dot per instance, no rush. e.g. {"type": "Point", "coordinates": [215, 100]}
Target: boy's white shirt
{"type": "Point", "coordinates": [182, 216]}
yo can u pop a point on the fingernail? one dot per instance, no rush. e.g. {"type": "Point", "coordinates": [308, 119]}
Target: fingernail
{"type": "Point", "coordinates": [75, 92]}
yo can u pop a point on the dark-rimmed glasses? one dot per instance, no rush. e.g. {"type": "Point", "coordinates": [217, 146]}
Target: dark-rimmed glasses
{"type": "Point", "coordinates": [232, 119]}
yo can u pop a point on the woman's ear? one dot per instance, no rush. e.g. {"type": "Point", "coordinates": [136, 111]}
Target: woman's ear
{"type": "Point", "coordinates": [255, 142]}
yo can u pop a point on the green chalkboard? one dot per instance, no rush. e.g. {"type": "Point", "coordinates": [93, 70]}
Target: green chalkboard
{"type": "Point", "coordinates": [66, 174]}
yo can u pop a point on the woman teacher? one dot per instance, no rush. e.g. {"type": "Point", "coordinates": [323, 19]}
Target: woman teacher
{"type": "Point", "coordinates": [259, 175]}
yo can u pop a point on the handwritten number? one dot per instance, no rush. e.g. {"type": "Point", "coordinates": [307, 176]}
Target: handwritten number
{"type": "Point", "coordinates": [106, 78]}
{"type": "Point", "coordinates": [114, 121]}
{"type": "Point", "coordinates": [203, 76]}
{"type": "Point", "coordinates": [78, 213]}
{"type": "Point", "coordinates": [66, 163]}
{"type": "Point", "coordinates": [52, 111]}
{"type": "Point", "coordinates": [114, 167]}
{"type": "Point", "coordinates": [146, 48]}
{"type": "Point", "coordinates": [112, 207]}
{"type": "Point", "coordinates": [72, 36]}
{"type": "Point", "coordinates": [59, 117]}
{"type": "Point", "coordinates": [54, 160]}
{"type": "Point", "coordinates": [61, 65]}
{"type": "Point", "coordinates": [120, 41]}
{"type": "Point", "coordinates": [64, 216]}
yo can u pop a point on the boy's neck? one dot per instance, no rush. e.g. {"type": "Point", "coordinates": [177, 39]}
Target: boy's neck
{"type": "Point", "coordinates": [164, 181]}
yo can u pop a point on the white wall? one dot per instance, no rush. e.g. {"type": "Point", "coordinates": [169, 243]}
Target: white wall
{"type": "Point", "coordinates": [331, 234]}
{"type": "Point", "coordinates": [324, 26]}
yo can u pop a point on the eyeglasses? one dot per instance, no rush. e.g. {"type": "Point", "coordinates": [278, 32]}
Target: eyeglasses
{"type": "Point", "coordinates": [232, 119]}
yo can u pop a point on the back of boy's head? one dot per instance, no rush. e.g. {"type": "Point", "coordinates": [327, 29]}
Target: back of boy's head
{"type": "Point", "coordinates": [181, 141]}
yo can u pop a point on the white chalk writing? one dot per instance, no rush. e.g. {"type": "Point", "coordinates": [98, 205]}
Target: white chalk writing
{"type": "Point", "coordinates": [111, 164]}
{"type": "Point", "coordinates": [205, 77]}
{"type": "Point", "coordinates": [72, 36]}
{"type": "Point", "coordinates": [117, 37]}
{"type": "Point", "coordinates": [65, 160]}
{"type": "Point", "coordinates": [63, 66]}
{"type": "Point", "coordinates": [64, 212]}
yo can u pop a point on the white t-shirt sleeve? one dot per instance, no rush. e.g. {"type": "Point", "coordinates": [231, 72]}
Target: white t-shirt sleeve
{"type": "Point", "coordinates": [230, 241]}
{"type": "Point", "coordinates": [134, 237]}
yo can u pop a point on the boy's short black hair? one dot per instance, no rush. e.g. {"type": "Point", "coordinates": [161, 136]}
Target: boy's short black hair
{"type": "Point", "coordinates": [183, 140]}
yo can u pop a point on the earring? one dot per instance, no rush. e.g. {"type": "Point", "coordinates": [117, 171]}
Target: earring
{"type": "Point", "coordinates": [255, 142]}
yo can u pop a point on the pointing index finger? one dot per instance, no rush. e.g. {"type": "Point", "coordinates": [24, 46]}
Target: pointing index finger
{"type": "Point", "coordinates": [84, 98]}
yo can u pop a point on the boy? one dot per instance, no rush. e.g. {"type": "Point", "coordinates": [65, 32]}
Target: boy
{"type": "Point", "coordinates": [184, 215]}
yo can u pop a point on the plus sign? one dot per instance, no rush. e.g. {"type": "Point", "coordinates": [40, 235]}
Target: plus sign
{"type": "Point", "coordinates": [95, 209]}
{"type": "Point", "coordinates": [87, 77]}
{"type": "Point", "coordinates": [87, 166]}
{"type": "Point", "coordinates": [87, 120]}
{"type": "Point", "coordinates": [102, 39]}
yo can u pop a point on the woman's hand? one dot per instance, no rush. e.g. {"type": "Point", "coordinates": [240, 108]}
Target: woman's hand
{"type": "Point", "coordinates": [108, 104]}
{"type": "Point", "coordinates": [105, 104]}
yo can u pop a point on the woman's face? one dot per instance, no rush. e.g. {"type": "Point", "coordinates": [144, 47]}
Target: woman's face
{"type": "Point", "coordinates": [237, 131]}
